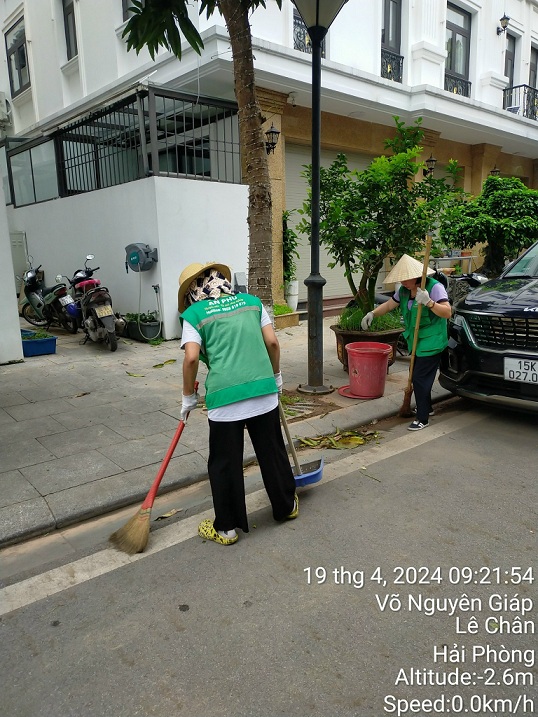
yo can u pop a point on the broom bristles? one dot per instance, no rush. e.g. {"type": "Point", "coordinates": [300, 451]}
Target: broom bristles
{"type": "Point", "coordinates": [134, 535]}
{"type": "Point", "coordinates": [405, 410]}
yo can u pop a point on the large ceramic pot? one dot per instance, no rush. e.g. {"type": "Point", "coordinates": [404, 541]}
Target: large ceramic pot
{"type": "Point", "coordinates": [291, 294]}
{"type": "Point", "coordinates": [344, 337]}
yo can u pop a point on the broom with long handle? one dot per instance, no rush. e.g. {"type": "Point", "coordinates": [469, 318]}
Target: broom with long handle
{"type": "Point", "coordinates": [133, 536]}
{"type": "Point", "coordinates": [405, 410]}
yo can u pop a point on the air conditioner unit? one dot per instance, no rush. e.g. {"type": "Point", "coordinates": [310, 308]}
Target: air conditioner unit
{"type": "Point", "coordinates": [5, 109]}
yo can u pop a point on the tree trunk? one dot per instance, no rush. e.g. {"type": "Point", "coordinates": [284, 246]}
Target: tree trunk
{"type": "Point", "coordinates": [255, 169]}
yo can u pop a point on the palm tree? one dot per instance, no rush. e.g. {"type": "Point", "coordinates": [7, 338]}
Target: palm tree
{"type": "Point", "coordinates": [157, 23]}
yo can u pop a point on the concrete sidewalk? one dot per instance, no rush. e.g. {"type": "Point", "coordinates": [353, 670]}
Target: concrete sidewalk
{"type": "Point", "coordinates": [83, 431]}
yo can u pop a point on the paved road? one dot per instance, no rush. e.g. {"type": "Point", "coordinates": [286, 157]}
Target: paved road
{"type": "Point", "coordinates": [302, 619]}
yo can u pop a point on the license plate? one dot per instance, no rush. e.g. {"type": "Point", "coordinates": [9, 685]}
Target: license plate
{"type": "Point", "coordinates": [103, 311]}
{"type": "Point", "coordinates": [64, 300]}
{"type": "Point", "coordinates": [521, 370]}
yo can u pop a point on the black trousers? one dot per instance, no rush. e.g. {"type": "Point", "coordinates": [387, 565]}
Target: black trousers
{"type": "Point", "coordinates": [225, 467]}
{"type": "Point", "coordinates": [424, 372]}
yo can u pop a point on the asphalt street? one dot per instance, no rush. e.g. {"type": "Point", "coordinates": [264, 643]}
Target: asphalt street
{"type": "Point", "coordinates": [406, 586]}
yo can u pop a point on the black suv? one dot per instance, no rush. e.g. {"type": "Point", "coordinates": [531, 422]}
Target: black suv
{"type": "Point", "coordinates": [492, 354]}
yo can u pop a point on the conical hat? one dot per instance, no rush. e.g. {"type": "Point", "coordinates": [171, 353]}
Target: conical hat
{"type": "Point", "coordinates": [193, 271]}
{"type": "Point", "coordinates": [406, 268]}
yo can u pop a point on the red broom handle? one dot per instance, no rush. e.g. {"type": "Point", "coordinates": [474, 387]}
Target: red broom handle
{"type": "Point", "coordinates": [150, 498]}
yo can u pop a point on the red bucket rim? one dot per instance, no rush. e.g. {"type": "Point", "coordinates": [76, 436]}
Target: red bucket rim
{"type": "Point", "coordinates": [368, 347]}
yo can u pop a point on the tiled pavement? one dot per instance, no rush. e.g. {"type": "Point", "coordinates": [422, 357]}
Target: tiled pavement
{"type": "Point", "coordinates": [83, 431]}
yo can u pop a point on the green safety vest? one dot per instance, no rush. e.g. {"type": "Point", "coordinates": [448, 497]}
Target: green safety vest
{"type": "Point", "coordinates": [432, 333]}
{"type": "Point", "coordinates": [233, 348]}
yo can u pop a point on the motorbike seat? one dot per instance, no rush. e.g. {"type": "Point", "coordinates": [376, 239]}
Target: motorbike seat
{"type": "Point", "coordinates": [49, 289]}
{"type": "Point", "coordinates": [88, 284]}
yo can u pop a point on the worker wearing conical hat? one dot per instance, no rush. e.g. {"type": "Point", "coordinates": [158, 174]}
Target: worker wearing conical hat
{"type": "Point", "coordinates": [432, 333]}
{"type": "Point", "coordinates": [233, 335]}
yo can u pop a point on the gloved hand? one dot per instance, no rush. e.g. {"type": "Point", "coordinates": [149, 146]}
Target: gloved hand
{"type": "Point", "coordinates": [278, 379]}
{"type": "Point", "coordinates": [422, 296]}
{"type": "Point", "coordinates": [367, 321]}
{"type": "Point", "coordinates": [188, 404]}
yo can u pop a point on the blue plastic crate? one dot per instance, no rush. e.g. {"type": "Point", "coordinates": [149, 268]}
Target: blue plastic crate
{"type": "Point", "coordinates": [38, 347]}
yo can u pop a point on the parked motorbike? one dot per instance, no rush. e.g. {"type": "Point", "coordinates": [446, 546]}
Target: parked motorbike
{"type": "Point", "coordinates": [460, 286]}
{"type": "Point", "coordinates": [46, 306]}
{"type": "Point", "coordinates": [93, 307]}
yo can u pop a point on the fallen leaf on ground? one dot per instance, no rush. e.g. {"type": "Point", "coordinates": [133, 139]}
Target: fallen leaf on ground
{"type": "Point", "coordinates": [168, 515]}
{"type": "Point", "coordinates": [341, 440]}
{"type": "Point", "coordinates": [136, 375]}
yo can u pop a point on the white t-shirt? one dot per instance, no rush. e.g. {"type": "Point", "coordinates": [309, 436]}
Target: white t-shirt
{"type": "Point", "coordinates": [240, 410]}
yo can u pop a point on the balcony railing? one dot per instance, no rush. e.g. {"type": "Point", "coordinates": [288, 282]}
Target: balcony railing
{"type": "Point", "coordinates": [391, 66]}
{"type": "Point", "coordinates": [157, 132]}
{"type": "Point", "coordinates": [521, 100]}
{"type": "Point", "coordinates": [301, 38]}
{"type": "Point", "coordinates": [457, 85]}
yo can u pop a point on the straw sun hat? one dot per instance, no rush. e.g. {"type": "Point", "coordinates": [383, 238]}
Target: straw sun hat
{"type": "Point", "coordinates": [406, 268]}
{"type": "Point", "coordinates": [190, 273]}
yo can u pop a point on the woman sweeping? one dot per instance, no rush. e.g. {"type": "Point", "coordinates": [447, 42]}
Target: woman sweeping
{"type": "Point", "coordinates": [432, 333]}
{"type": "Point", "coordinates": [234, 336]}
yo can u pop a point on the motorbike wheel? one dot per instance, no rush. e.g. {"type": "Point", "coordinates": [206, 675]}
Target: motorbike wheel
{"type": "Point", "coordinates": [68, 322]}
{"type": "Point", "coordinates": [112, 340]}
{"type": "Point", "coordinates": [31, 317]}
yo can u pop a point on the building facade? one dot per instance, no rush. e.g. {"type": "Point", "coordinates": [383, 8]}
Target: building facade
{"type": "Point", "coordinates": [129, 149]}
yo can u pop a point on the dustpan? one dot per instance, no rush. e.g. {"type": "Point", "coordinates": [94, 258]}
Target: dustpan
{"type": "Point", "coordinates": [309, 472]}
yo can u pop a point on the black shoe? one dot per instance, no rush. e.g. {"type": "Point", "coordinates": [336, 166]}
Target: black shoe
{"type": "Point", "coordinates": [417, 426]}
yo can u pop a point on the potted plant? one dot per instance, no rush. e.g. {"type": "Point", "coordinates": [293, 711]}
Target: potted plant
{"type": "Point", "coordinates": [37, 343]}
{"type": "Point", "coordinates": [143, 326]}
{"type": "Point", "coordinates": [289, 256]}
{"type": "Point", "coordinates": [385, 329]}
{"type": "Point", "coordinates": [379, 213]}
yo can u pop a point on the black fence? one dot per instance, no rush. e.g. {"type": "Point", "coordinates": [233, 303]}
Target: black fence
{"type": "Point", "coordinates": [521, 100]}
{"type": "Point", "coordinates": [153, 132]}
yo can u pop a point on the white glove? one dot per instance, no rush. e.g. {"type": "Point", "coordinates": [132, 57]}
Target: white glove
{"type": "Point", "coordinates": [367, 321]}
{"type": "Point", "coordinates": [278, 379]}
{"type": "Point", "coordinates": [188, 404]}
{"type": "Point", "coordinates": [422, 296]}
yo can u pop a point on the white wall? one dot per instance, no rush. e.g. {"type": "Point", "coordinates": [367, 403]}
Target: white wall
{"type": "Point", "coordinates": [11, 344]}
{"type": "Point", "coordinates": [186, 220]}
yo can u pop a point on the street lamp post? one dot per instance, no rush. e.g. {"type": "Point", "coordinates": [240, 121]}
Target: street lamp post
{"type": "Point", "coordinates": [318, 16]}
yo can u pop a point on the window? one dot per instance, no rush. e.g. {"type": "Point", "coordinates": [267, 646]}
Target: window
{"type": "Point", "coordinates": [127, 11]}
{"type": "Point", "coordinates": [33, 172]}
{"type": "Point", "coordinates": [392, 25]}
{"type": "Point", "coordinates": [17, 58]}
{"type": "Point", "coordinates": [509, 59]}
{"type": "Point", "coordinates": [458, 41]}
{"type": "Point", "coordinates": [391, 60]}
{"type": "Point", "coordinates": [301, 38]}
{"type": "Point", "coordinates": [70, 29]}
{"type": "Point", "coordinates": [533, 67]}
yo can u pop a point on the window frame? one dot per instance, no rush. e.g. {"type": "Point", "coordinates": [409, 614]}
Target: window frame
{"type": "Point", "coordinates": [533, 68]}
{"type": "Point", "coordinates": [510, 59]}
{"type": "Point", "coordinates": [386, 45]}
{"type": "Point", "coordinates": [70, 28]}
{"type": "Point", "coordinates": [15, 50]}
{"type": "Point", "coordinates": [461, 30]}
{"type": "Point", "coordinates": [126, 5]}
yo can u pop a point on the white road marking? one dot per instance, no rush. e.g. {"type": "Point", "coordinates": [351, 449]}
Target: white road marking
{"type": "Point", "coordinates": [56, 580]}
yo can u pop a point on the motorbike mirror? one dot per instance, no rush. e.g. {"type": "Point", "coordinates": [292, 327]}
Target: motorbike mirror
{"type": "Point", "coordinates": [59, 277]}
{"type": "Point", "coordinates": [90, 257]}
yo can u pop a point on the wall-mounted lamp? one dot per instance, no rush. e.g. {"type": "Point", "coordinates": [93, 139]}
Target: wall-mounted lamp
{"type": "Point", "coordinates": [430, 164]}
{"type": "Point", "coordinates": [504, 24]}
{"type": "Point", "coordinates": [495, 171]}
{"type": "Point", "coordinates": [272, 135]}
